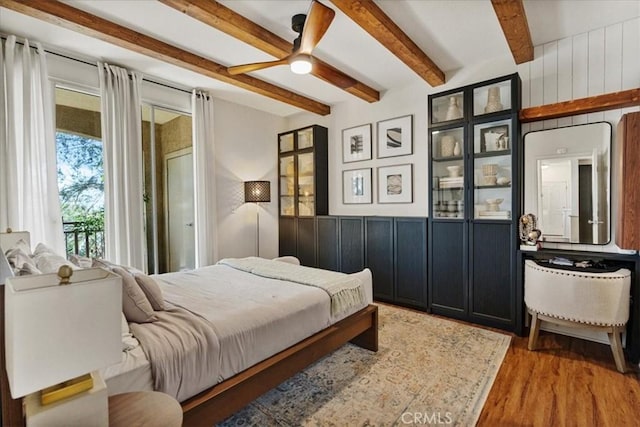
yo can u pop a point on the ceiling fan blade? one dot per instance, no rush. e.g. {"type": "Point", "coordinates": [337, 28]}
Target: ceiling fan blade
{"type": "Point", "coordinates": [317, 23]}
{"type": "Point", "coordinates": [247, 68]}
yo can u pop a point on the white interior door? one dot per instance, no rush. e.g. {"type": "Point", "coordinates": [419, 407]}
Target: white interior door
{"type": "Point", "coordinates": [179, 210]}
{"type": "Point", "coordinates": [555, 209]}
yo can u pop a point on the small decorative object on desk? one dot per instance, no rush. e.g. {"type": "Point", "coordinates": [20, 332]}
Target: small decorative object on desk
{"type": "Point", "coordinates": [529, 234]}
{"type": "Point", "coordinates": [453, 112]}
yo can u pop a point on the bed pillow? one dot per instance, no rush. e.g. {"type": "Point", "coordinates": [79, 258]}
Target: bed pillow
{"type": "Point", "coordinates": [103, 263]}
{"type": "Point", "coordinates": [17, 257]}
{"type": "Point", "coordinates": [135, 305]}
{"type": "Point", "coordinates": [50, 262]}
{"type": "Point", "coordinates": [151, 289]}
{"type": "Point", "coordinates": [21, 244]}
{"type": "Point", "coordinates": [42, 248]}
{"type": "Point", "coordinates": [81, 261]}
{"type": "Point", "coordinates": [28, 269]}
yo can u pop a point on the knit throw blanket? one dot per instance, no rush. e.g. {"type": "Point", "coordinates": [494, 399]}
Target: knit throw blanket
{"type": "Point", "coordinates": [343, 290]}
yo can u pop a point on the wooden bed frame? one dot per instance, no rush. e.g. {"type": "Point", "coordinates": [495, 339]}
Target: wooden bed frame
{"type": "Point", "coordinates": [222, 400]}
{"type": "Point", "coordinates": [227, 397]}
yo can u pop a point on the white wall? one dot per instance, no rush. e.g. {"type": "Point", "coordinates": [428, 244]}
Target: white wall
{"type": "Point", "coordinates": [246, 150]}
{"type": "Point", "coordinates": [601, 61]}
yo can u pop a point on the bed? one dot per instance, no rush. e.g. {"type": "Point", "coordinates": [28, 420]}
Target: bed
{"type": "Point", "coordinates": [265, 330]}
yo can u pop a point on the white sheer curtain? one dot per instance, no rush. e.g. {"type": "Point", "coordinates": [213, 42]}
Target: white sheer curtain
{"type": "Point", "coordinates": [28, 173]}
{"type": "Point", "coordinates": [204, 161]}
{"type": "Point", "coordinates": [123, 180]}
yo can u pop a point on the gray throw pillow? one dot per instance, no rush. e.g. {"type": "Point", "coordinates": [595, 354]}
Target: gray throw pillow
{"type": "Point", "coordinates": [135, 305]}
{"type": "Point", "coordinates": [151, 289]}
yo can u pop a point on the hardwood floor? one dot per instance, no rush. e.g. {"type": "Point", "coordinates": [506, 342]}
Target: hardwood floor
{"type": "Point", "coordinates": [566, 382]}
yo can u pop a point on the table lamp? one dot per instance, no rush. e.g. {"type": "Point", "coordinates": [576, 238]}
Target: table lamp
{"type": "Point", "coordinates": [59, 330]}
{"type": "Point", "coordinates": [257, 192]}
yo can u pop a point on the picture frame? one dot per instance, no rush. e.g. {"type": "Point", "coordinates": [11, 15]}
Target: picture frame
{"type": "Point", "coordinates": [357, 186]}
{"type": "Point", "coordinates": [494, 138]}
{"type": "Point", "coordinates": [395, 184]}
{"type": "Point", "coordinates": [356, 144]}
{"type": "Point", "coordinates": [395, 137]}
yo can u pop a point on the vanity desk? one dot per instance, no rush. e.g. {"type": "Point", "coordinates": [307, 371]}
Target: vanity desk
{"type": "Point", "coordinates": [628, 261]}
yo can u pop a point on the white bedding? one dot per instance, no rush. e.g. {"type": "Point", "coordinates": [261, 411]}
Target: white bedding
{"type": "Point", "coordinates": [240, 306]}
{"type": "Point", "coordinates": [254, 317]}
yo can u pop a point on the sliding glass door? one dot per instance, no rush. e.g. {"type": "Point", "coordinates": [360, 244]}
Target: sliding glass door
{"type": "Point", "coordinates": [168, 173]}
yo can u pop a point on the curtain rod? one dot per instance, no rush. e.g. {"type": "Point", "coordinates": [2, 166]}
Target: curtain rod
{"type": "Point", "coordinates": [82, 61]}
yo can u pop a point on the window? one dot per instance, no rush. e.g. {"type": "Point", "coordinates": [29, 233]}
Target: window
{"type": "Point", "coordinates": [80, 171]}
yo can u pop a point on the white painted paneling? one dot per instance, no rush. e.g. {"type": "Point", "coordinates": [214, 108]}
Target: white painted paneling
{"type": "Point", "coordinates": [630, 55]}
{"type": "Point", "coordinates": [613, 58]}
{"type": "Point", "coordinates": [602, 61]}
{"type": "Point", "coordinates": [565, 72]}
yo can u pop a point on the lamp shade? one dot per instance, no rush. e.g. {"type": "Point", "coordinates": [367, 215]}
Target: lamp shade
{"type": "Point", "coordinates": [54, 333]}
{"type": "Point", "coordinates": [257, 191]}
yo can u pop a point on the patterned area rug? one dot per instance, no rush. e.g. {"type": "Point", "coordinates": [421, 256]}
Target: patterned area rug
{"type": "Point", "coordinates": [427, 371]}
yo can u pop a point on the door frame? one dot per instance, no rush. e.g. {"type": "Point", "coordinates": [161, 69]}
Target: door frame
{"type": "Point", "coordinates": [165, 171]}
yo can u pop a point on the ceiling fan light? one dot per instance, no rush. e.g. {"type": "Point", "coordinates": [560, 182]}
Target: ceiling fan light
{"type": "Point", "coordinates": [301, 65]}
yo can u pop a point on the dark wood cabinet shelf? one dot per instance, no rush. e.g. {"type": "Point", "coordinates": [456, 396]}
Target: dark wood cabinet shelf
{"type": "Point", "coordinates": [303, 190]}
{"type": "Point", "coordinates": [471, 259]}
{"type": "Point", "coordinates": [496, 153]}
{"type": "Point", "coordinates": [480, 187]}
{"type": "Point", "coordinates": [447, 159]}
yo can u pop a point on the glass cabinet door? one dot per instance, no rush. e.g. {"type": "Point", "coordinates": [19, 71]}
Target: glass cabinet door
{"type": "Point", "coordinates": [447, 154]}
{"type": "Point", "coordinates": [285, 144]}
{"type": "Point", "coordinates": [492, 98]}
{"type": "Point", "coordinates": [305, 138]}
{"type": "Point", "coordinates": [447, 108]}
{"type": "Point", "coordinates": [306, 190]}
{"type": "Point", "coordinates": [287, 184]}
{"type": "Point", "coordinates": [492, 172]}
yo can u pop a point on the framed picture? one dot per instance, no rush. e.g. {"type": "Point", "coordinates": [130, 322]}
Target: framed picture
{"type": "Point", "coordinates": [395, 137]}
{"type": "Point", "coordinates": [494, 138]}
{"type": "Point", "coordinates": [395, 184]}
{"type": "Point", "coordinates": [356, 143]}
{"type": "Point", "coordinates": [356, 186]}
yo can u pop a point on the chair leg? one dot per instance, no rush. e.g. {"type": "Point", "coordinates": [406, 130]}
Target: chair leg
{"type": "Point", "coordinates": [616, 349]}
{"type": "Point", "coordinates": [534, 330]}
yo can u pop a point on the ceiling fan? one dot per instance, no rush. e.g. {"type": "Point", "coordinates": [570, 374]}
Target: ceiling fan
{"type": "Point", "coordinates": [310, 29]}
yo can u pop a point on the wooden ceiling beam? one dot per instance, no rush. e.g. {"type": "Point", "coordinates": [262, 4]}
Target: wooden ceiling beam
{"type": "Point", "coordinates": [591, 104]}
{"type": "Point", "coordinates": [515, 27]}
{"type": "Point", "coordinates": [63, 15]}
{"type": "Point", "coordinates": [229, 22]}
{"type": "Point", "coordinates": [374, 21]}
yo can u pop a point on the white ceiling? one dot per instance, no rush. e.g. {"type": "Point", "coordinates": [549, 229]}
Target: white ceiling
{"type": "Point", "coordinates": [454, 33]}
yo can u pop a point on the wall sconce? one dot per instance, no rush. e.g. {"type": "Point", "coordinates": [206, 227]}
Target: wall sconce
{"type": "Point", "coordinates": [257, 192]}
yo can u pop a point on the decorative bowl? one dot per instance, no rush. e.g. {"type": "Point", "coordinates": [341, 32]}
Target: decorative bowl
{"type": "Point", "coordinates": [503, 180]}
{"type": "Point", "coordinates": [454, 171]}
{"type": "Point", "coordinates": [494, 204]}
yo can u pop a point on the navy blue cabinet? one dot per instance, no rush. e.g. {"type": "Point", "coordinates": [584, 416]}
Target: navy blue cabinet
{"type": "Point", "coordinates": [474, 203]}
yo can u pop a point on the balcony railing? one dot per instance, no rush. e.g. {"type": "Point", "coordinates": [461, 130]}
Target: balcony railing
{"type": "Point", "coordinates": [84, 239]}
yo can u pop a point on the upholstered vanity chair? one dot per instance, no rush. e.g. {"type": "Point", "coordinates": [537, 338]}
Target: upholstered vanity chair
{"type": "Point", "coordinates": [598, 301]}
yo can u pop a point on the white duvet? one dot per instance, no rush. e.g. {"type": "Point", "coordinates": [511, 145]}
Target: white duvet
{"type": "Point", "coordinates": [253, 317]}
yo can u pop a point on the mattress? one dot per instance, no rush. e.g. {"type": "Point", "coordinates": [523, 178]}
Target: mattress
{"type": "Point", "coordinates": [253, 317]}
{"type": "Point", "coordinates": [133, 373]}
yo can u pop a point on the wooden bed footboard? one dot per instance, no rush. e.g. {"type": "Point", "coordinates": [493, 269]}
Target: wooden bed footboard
{"type": "Point", "coordinates": [224, 399]}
